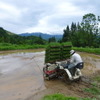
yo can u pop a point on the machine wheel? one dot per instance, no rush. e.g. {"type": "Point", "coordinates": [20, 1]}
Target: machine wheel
{"type": "Point", "coordinates": [80, 79]}
{"type": "Point", "coordinates": [66, 78]}
{"type": "Point", "coordinates": [45, 76]}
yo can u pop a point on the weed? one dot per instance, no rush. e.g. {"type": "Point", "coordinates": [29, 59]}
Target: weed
{"type": "Point", "coordinates": [58, 97]}
{"type": "Point", "coordinates": [92, 90]}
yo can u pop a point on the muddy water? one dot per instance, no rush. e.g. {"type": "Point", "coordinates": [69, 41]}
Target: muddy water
{"type": "Point", "coordinates": [21, 73]}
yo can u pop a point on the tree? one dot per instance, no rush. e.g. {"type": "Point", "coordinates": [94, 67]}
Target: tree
{"type": "Point", "coordinates": [52, 39]}
{"type": "Point", "coordinates": [66, 35]}
{"type": "Point", "coordinates": [4, 37]}
{"type": "Point", "coordinates": [86, 33]}
{"type": "Point", "coordinates": [90, 26]}
{"type": "Point", "coordinates": [89, 23]}
{"type": "Point", "coordinates": [73, 28]}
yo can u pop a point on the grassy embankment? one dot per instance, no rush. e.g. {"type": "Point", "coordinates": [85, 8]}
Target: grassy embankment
{"type": "Point", "coordinates": [89, 50]}
{"type": "Point", "coordinates": [7, 46]}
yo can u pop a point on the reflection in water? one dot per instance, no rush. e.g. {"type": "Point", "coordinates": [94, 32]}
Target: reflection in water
{"type": "Point", "coordinates": [21, 75]}
{"type": "Point", "coordinates": [14, 61]}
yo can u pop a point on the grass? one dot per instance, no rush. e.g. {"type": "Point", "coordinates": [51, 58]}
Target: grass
{"type": "Point", "coordinates": [92, 90]}
{"type": "Point", "coordinates": [89, 50]}
{"type": "Point", "coordinates": [97, 78]}
{"type": "Point", "coordinates": [8, 46]}
{"type": "Point", "coordinates": [58, 97]}
{"type": "Point", "coordinates": [63, 97]}
{"type": "Point", "coordinates": [87, 99]}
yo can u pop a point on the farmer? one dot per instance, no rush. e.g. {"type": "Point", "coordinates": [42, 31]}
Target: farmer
{"type": "Point", "coordinates": [75, 60]}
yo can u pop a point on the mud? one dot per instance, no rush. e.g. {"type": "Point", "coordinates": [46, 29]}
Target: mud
{"type": "Point", "coordinates": [21, 76]}
{"type": "Point", "coordinates": [91, 63]}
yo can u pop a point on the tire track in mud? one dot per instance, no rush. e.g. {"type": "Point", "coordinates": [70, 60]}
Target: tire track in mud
{"type": "Point", "coordinates": [58, 86]}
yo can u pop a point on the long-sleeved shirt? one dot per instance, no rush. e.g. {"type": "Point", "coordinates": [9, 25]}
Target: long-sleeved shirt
{"type": "Point", "coordinates": [75, 59]}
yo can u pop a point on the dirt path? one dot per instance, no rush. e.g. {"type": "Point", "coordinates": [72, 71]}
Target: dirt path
{"type": "Point", "coordinates": [21, 77]}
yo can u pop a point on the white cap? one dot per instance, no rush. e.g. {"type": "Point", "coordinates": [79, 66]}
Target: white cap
{"type": "Point", "coordinates": [48, 64]}
{"type": "Point", "coordinates": [72, 51]}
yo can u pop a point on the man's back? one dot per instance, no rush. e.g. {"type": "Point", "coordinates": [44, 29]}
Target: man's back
{"type": "Point", "coordinates": [76, 58]}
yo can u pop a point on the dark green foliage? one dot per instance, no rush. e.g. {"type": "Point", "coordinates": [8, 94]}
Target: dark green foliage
{"type": "Point", "coordinates": [86, 33]}
{"type": "Point", "coordinates": [4, 37]}
{"type": "Point", "coordinates": [3, 33]}
{"type": "Point", "coordinates": [66, 35]}
{"type": "Point", "coordinates": [10, 41]}
{"type": "Point", "coordinates": [52, 39]}
{"type": "Point", "coordinates": [57, 52]}
{"type": "Point", "coordinates": [26, 40]}
{"type": "Point", "coordinates": [8, 37]}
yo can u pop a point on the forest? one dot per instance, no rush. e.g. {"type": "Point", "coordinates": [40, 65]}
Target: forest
{"type": "Point", "coordinates": [85, 33]}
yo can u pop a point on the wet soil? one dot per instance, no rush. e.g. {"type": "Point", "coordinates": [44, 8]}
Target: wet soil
{"type": "Point", "coordinates": [21, 76]}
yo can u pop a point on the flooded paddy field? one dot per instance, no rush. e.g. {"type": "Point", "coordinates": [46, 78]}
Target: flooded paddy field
{"type": "Point", "coordinates": [21, 76]}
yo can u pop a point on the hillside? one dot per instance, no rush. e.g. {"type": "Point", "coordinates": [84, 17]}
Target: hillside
{"type": "Point", "coordinates": [10, 33]}
{"type": "Point", "coordinates": [4, 32]}
{"type": "Point", "coordinates": [43, 35]}
{"type": "Point", "coordinates": [9, 37]}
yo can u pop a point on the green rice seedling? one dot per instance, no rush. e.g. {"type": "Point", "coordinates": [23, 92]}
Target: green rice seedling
{"type": "Point", "coordinates": [57, 52]}
{"type": "Point", "coordinates": [67, 44]}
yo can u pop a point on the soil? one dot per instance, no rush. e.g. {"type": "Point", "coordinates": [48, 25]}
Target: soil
{"type": "Point", "coordinates": [21, 77]}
